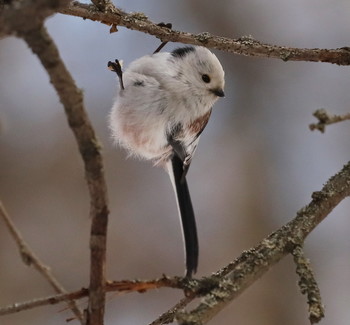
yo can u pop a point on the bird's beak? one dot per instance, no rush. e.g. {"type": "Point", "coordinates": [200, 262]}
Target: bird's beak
{"type": "Point", "coordinates": [218, 92]}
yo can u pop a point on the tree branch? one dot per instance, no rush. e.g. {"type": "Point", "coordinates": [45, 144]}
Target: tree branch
{"type": "Point", "coordinates": [245, 45]}
{"type": "Point", "coordinates": [253, 263]}
{"type": "Point", "coordinates": [71, 97]}
{"type": "Point", "coordinates": [25, 15]}
{"type": "Point", "coordinates": [25, 19]}
{"type": "Point", "coordinates": [308, 285]}
{"type": "Point", "coordinates": [29, 258]}
{"type": "Point", "coordinates": [229, 282]}
{"type": "Point", "coordinates": [325, 118]}
{"type": "Point", "coordinates": [102, 5]}
{"type": "Point", "coordinates": [51, 300]}
{"type": "Point", "coordinates": [111, 286]}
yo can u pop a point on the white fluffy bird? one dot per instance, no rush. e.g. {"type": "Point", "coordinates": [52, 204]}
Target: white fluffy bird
{"type": "Point", "coordinates": [164, 103]}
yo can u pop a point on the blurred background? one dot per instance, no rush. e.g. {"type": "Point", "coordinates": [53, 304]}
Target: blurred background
{"type": "Point", "coordinates": [256, 165]}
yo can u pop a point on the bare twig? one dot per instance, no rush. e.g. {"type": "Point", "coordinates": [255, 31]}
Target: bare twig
{"type": "Point", "coordinates": [51, 300]}
{"type": "Point", "coordinates": [142, 285]}
{"type": "Point", "coordinates": [30, 259]}
{"type": "Point", "coordinates": [308, 285]}
{"type": "Point", "coordinates": [244, 45]}
{"type": "Point", "coordinates": [190, 285]}
{"type": "Point", "coordinates": [324, 118]}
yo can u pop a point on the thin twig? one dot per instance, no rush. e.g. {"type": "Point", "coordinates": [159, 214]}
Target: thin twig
{"type": "Point", "coordinates": [308, 285]}
{"type": "Point", "coordinates": [244, 45]}
{"type": "Point", "coordinates": [50, 300]}
{"type": "Point", "coordinates": [325, 118]}
{"type": "Point", "coordinates": [145, 285]}
{"type": "Point", "coordinates": [112, 286]}
{"type": "Point", "coordinates": [30, 259]}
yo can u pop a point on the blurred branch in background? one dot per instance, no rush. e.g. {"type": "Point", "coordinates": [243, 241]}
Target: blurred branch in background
{"type": "Point", "coordinates": [30, 259]}
{"type": "Point", "coordinates": [245, 45]}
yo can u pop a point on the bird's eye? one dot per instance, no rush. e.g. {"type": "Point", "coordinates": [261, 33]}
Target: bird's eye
{"type": "Point", "coordinates": [206, 78]}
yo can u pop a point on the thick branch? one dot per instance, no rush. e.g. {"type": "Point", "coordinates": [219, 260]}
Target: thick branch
{"type": "Point", "coordinates": [30, 259]}
{"type": "Point", "coordinates": [169, 316]}
{"type": "Point", "coordinates": [244, 46]}
{"type": "Point", "coordinates": [102, 5]}
{"type": "Point", "coordinates": [71, 97]}
{"type": "Point", "coordinates": [25, 19]}
{"type": "Point", "coordinates": [252, 264]}
{"type": "Point", "coordinates": [19, 15]}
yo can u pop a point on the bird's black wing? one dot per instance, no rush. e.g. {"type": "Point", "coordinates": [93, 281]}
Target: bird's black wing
{"type": "Point", "coordinates": [178, 166]}
{"type": "Point", "coordinates": [183, 150]}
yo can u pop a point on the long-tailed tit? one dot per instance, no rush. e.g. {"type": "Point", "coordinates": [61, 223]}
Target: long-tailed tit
{"type": "Point", "coordinates": [164, 103]}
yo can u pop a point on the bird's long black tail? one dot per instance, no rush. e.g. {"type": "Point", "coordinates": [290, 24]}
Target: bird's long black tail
{"type": "Point", "coordinates": [175, 169]}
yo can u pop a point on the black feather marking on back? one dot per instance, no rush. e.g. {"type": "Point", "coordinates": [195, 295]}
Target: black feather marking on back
{"type": "Point", "coordinates": [181, 52]}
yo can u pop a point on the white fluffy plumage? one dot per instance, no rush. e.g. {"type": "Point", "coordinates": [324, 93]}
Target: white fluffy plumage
{"type": "Point", "coordinates": [162, 91]}
{"type": "Point", "coordinates": [160, 114]}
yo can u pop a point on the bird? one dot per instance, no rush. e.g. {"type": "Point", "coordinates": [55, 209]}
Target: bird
{"type": "Point", "coordinates": [164, 102]}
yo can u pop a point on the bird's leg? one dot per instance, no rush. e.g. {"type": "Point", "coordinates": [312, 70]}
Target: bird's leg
{"type": "Point", "coordinates": [168, 25]}
{"type": "Point", "coordinates": [117, 68]}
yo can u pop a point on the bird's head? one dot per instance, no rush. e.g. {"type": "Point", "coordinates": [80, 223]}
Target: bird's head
{"type": "Point", "coordinates": [201, 70]}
